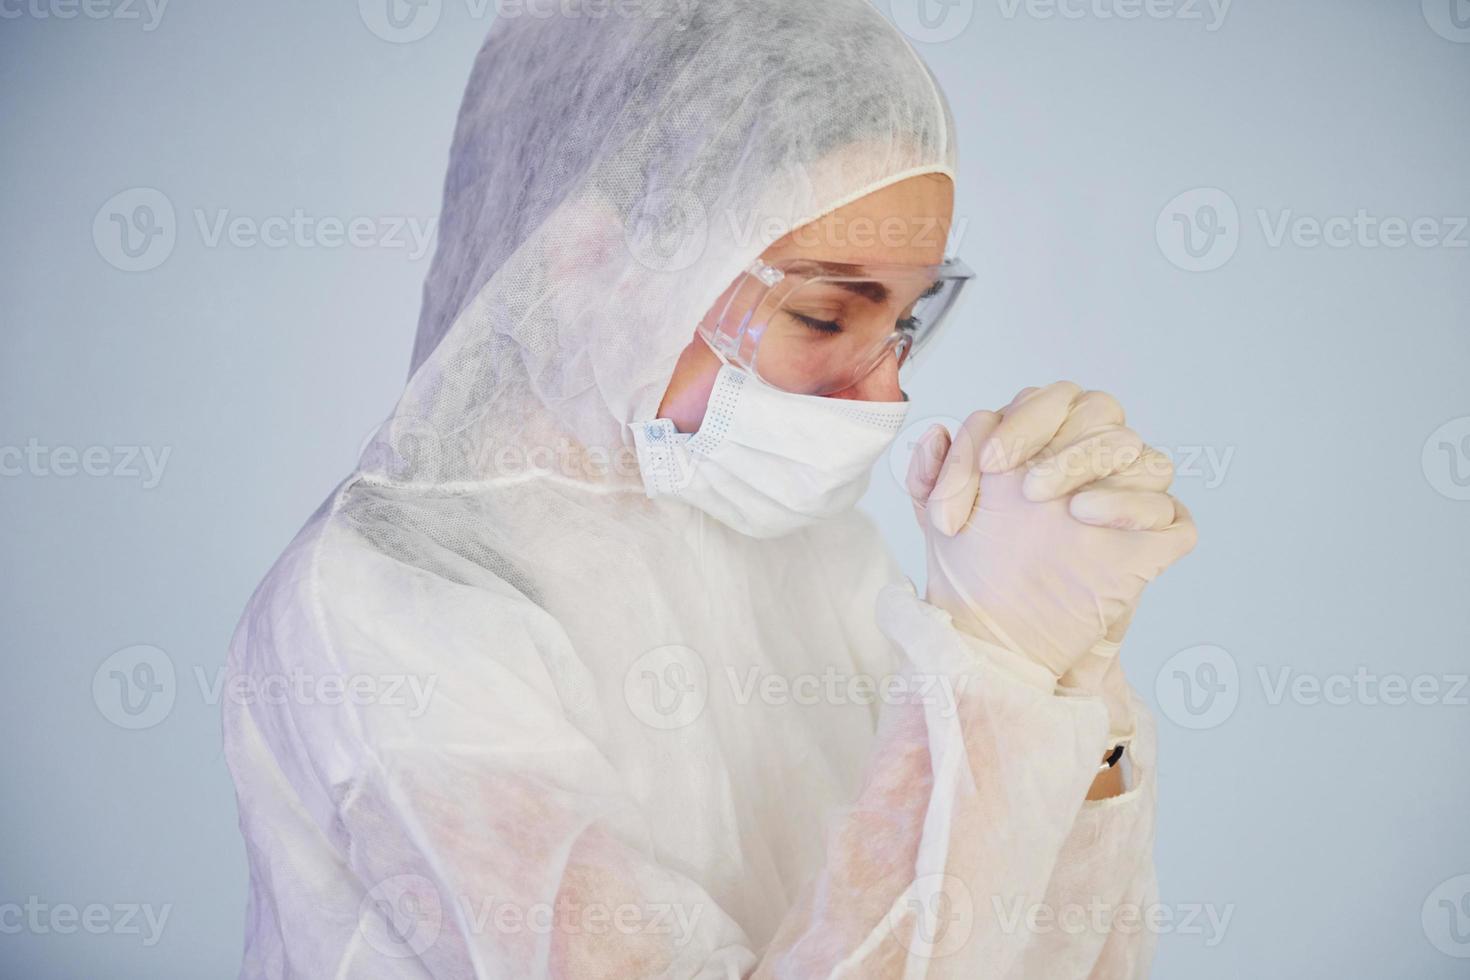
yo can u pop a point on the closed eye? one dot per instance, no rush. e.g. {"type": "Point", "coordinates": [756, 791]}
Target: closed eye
{"type": "Point", "coordinates": [908, 324]}
{"type": "Point", "coordinates": [822, 326]}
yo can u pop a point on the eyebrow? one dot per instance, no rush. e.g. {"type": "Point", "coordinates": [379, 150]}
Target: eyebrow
{"type": "Point", "coordinates": [878, 293]}
{"type": "Point", "coordinates": [869, 289]}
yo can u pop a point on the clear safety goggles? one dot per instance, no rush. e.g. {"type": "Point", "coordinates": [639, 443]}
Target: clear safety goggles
{"type": "Point", "coordinates": [816, 328]}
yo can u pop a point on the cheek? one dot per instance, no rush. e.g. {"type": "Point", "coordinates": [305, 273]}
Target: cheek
{"type": "Point", "coordinates": [688, 392]}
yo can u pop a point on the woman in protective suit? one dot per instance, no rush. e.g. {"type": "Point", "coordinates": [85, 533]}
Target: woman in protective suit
{"type": "Point", "coordinates": [626, 686]}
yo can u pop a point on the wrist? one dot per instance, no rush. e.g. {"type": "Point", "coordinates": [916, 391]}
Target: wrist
{"type": "Point", "coordinates": [1000, 655]}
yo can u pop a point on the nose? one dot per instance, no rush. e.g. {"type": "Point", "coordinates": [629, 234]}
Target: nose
{"type": "Point", "coordinates": [878, 385]}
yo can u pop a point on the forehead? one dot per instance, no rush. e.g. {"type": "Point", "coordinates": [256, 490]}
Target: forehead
{"type": "Point", "coordinates": [904, 223]}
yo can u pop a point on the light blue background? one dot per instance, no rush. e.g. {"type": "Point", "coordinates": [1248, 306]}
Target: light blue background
{"type": "Point", "coordinates": [1314, 375]}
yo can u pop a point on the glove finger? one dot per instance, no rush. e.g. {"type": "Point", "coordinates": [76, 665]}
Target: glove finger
{"type": "Point", "coordinates": [1021, 396]}
{"type": "Point", "coordinates": [952, 500]}
{"type": "Point", "coordinates": [1183, 528]}
{"type": "Point", "coordinates": [924, 465]}
{"type": "Point", "coordinates": [1177, 538]}
{"type": "Point", "coordinates": [1085, 461]}
{"type": "Point", "coordinates": [1092, 411]}
{"type": "Point", "coordinates": [1153, 470]}
{"type": "Point", "coordinates": [1028, 426]}
{"type": "Point", "coordinates": [1124, 510]}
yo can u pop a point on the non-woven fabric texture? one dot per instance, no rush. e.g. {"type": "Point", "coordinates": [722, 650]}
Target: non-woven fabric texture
{"type": "Point", "coordinates": [555, 728]}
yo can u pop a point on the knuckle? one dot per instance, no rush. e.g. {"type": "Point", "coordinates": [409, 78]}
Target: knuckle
{"type": "Point", "coordinates": [1151, 464]}
{"type": "Point", "coordinates": [1104, 405]}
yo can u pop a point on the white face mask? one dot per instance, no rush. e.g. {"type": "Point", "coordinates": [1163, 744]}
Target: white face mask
{"type": "Point", "coordinates": [764, 461]}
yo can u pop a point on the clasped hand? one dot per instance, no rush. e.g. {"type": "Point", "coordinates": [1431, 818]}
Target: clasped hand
{"type": "Point", "coordinates": [1044, 522]}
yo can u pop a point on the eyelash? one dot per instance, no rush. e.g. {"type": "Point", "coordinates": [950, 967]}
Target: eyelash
{"type": "Point", "coordinates": [908, 323]}
{"type": "Point", "coordinates": [822, 326]}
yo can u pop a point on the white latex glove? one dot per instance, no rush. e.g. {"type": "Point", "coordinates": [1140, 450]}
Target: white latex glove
{"type": "Point", "coordinates": [1015, 556]}
{"type": "Point", "coordinates": [1116, 488]}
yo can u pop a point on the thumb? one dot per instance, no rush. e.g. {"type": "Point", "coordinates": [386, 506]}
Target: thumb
{"type": "Point", "coordinates": [924, 465]}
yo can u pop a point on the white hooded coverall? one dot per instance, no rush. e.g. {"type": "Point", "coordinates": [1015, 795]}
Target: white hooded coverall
{"type": "Point", "coordinates": [562, 747]}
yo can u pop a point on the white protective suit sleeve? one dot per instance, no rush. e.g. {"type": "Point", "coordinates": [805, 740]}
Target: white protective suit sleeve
{"type": "Point", "coordinates": [971, 830]}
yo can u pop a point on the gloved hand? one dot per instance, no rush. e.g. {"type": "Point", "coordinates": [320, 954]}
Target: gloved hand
{"type": "Point", "coordinates": [1049, 558]}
